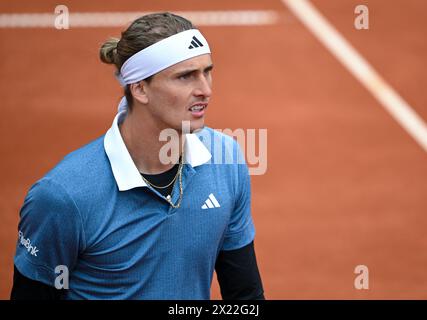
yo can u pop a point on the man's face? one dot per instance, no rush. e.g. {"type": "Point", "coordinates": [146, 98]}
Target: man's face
{"type": "Point", "coordinates": [180, 93]}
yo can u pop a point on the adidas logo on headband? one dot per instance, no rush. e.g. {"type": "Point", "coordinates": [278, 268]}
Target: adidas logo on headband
{"type": "Point", "coordinates": [195, 43]}
{"type": "Point", "coordinates": [162, 55]}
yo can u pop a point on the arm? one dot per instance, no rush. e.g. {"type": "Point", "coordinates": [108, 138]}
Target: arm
{"type": "Point", "coordinates": [27, 289]}
{"type": "Point", "coordinates": [238, 274]}
{"type": "Point", "coordinates": [236, 265]}
{"type": "Point", "coordinates": [50, 234]}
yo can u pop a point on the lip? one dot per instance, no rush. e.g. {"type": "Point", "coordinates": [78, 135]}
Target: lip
{"type": "Point", "coordinates": [198, 113]}
{"type": "Point", "coordinates": [204, 104]}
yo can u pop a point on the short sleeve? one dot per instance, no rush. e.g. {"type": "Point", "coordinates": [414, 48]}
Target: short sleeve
{"type": "Point", "coordinates": [50, 232]}
{"type": "Point", "coordinates": [241, 230]}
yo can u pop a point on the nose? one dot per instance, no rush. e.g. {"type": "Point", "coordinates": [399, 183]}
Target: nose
{"type": "Point", "coordinates": [204, 87]}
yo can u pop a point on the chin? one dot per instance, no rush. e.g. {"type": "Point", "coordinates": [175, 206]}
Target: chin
{"type": "Point", "coordinates": [196, 126]}
{"type": "Point", "coordinates": [197, 129]}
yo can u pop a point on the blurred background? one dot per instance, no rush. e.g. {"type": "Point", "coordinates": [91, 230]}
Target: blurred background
{"type": "Point", "coordinates": [346, 182]}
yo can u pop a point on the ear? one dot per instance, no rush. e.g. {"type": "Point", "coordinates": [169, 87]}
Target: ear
{"type": "Point", "coordinates": [138, 91]}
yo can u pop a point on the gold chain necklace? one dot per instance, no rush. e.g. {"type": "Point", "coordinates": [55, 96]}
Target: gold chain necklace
{"type": "Point", "coordinates": [168, 198]}
{"type": "Point", "coordinates": [161, 187]}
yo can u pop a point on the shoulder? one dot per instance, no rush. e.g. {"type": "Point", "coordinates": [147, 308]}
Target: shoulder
{"type": "Point", "coordinates": [78, 173]}
{"type": "Point", "coordinates": [45, 195]}
{"type": "Point", "coordinates": [82, 165]}
{"type": "Point", "coordinates": [80, 160]}
{"type": "Point", "coordinates": [222, 146]}
{"type": "Point", "coordinates": [227, 163]}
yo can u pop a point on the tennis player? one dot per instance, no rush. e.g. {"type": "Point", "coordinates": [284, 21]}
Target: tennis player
{"type": "Point", "coordinates": [122, 222]}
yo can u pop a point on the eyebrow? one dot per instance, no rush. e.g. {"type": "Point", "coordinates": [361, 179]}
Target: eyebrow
{"type": "Point", "coordinates": [188, 71]}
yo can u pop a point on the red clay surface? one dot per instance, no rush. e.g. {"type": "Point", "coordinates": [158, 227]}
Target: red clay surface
{"type": "Point", "coordinates": [345, 185]}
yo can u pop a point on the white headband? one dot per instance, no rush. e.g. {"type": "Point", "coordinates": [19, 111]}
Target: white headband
{"type": "Point", "coordinates": [161, 55]}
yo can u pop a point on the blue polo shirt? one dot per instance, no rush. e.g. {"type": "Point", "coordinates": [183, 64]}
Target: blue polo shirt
{"type": "Point", "coordinates": [119, 238]}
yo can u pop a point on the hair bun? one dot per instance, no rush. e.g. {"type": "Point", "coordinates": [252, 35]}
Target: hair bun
{"type": "Point", "coordinates": [108, 51]}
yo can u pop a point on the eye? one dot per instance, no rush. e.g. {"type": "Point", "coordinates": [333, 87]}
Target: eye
{"type": "Point", "coordinates": [185, 76]}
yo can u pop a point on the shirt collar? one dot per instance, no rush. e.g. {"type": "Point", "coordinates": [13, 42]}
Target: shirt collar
{"type": "Point", "coordinates": [124, 170]}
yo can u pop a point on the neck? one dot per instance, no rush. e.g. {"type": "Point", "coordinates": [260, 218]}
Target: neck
{"type": "Point", "coordinates": [142, 141]}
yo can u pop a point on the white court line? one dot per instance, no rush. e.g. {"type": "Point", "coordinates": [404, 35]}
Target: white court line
{"type": "Point", "coordinates": [120, 19]}
{"type": "Point", "coordinates": [361, 69]}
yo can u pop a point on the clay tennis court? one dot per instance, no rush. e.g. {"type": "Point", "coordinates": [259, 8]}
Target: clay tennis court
{"type": "Point", "coordinates": [346, 183]}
